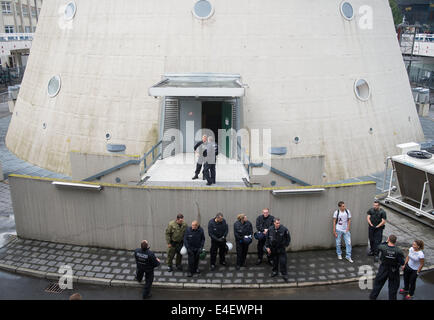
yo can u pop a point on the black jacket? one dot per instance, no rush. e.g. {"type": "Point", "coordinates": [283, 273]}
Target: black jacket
{"type": "Point", "coordinates": [264, 223]}
{"type": "Point", "coordinates": [217, 231]}
{"type": "Point", "coordinates": [145, 259]}
{"type": "Point", "coordinates": [277, 238]}
{"type": "Point", "coordinates": [242, 229]}
{"type": "Point", "coordinates": [194, 239]}
{"type": "Point", "coordinates": [197, 145]}
{"type": "Point", "coordinates": [391, 256]}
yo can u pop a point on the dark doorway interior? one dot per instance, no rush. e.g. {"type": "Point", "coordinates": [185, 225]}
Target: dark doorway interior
{"type": "Point", "coordinates": [212, 116]}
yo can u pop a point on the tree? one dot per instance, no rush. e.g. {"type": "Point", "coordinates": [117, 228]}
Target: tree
{"type": "Point", "coordinates": [396, 12]}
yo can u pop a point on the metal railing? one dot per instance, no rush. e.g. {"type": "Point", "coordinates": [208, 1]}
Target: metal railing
{"type": "Point", "coordinates": [421, 77]}
{"type": "Point", "coordinates": [243, 156]}
{"type": "Point", "coordinates": [131, 162]}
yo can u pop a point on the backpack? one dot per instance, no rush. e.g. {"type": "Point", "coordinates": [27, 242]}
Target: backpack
{"type": "Point", "coordinates": [337, 216]}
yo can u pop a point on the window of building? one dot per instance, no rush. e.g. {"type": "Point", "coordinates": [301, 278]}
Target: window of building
{"type": "Point", "coordinates": [70, 10]}
{"type": "Point", "coordinates": [347, 10]}
{"type": "Point", "coordinates": [28, 29]}
{"type": "Point", "coordinates": [33, 10]}
{"type": "Point", "coordinates": [362, 89]}
{"type": "Point", "coordinates": [54, 86]}
{"type": "Point", "coordinates": [203, 9]}
{"type": "Point", "coordinates": [25, 10]}
{"type": "Point", "coordinates": [9, 29]}
{"type": "Point", "coordinates": [6, 7]}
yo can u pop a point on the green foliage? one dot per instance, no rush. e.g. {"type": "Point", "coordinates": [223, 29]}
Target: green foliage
{"type": "Point", "coordinates": [396, 12]}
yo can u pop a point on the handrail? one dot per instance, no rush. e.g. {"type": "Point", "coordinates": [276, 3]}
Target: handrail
{"type": "Point", "coordinates": [130, 162]}
{"type": "Point", "coordinates": [242, 157]}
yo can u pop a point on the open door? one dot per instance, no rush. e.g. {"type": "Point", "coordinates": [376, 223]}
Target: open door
{"type": "Point", "coordinates": [227, 125]}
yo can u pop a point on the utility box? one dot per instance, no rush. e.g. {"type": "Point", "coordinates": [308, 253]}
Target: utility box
{"type": "Point", "coordinates": [410, 146]}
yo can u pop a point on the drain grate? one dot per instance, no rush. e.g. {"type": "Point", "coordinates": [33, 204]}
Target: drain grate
{"type": "Point", "coordinates": [53, 288]}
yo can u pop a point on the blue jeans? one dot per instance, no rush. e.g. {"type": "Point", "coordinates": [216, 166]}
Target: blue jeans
{"type": "Point", "coordinates": [347, 239]}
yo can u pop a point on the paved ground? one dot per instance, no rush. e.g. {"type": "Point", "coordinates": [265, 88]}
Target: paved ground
{"type": "Point", "coordinates": [15, 286]}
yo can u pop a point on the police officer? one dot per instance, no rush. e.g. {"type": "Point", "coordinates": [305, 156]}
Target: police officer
{"type": "Point", "coordinates": [376, 217]}
{"type": "Point", "coordinates": [263, 224]}
{"type": "Point", "coordinates": [199, 148]}
{"type": "Point", "coordinates": [194, 240]}
{"type": "Point", "coordinates": [218, 231]}
{"type": "Point", "coordinates": [243, 232]}
{"type": "Point", "coordinates": [392, 258]}
{"type": "Point", "coordinates": [210, 155]}
{"type": "Point", "coordinates": [146, 262]}
{"type": "Point", "coordinates": [174, 238]}
{"type": "Point", "coordinates": [278, 239]}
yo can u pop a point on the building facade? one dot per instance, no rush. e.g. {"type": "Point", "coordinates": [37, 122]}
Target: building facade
{"type": "Point", "coordinates": [335, 94]}
{"type": "Point", "coordinates": [19, 16]}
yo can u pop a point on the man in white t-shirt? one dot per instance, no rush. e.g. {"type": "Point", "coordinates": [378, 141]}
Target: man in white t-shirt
{"type": "Point", "coordinates": [341, 227]}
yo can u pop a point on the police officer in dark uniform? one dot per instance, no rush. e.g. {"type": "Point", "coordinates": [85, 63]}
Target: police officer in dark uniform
{"type": "Point", "coordinates": [194, 240]}
{"type": "Point", "coordinates": [376, 218]}
{"type": "Point", "coordinates": [278, 239]}
{"type": "Point", "coordinates": [263, 224]}
{"type": "Point", "coordinates": [392, 258]}
{"type": "Point", "coordinates": [146, 262]}
{"type": "Point", "coordinates": [218, 231]}
{"type": "Point", "coordinates": [199, 148]}
{"type": "Point", "coordinates": [243, 232]}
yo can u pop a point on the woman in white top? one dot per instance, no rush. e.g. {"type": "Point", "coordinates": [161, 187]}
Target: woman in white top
{"type": "Point", "coordinates": [412, 267]}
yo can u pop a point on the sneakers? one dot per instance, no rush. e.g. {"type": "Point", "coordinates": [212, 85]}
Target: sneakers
{"type": "Point", "coordinates": [402, 291]}
{"type": "Point", "coordinates": [408, 297]}
{"type": "Point", "coordinates": [212, 268]}
{"type": "Point", "coordinates": [195, 177]}
{"type": "Point", "coordinates": [274, 274]}
{"type": "Point", "coordinates": [170, 269]}
{"type": "Point", "coordinates": [223, 263]}
{"type": "Point", "coordinates": [349, 259]}
{"type": "Point", "coordinates": [339, 257]}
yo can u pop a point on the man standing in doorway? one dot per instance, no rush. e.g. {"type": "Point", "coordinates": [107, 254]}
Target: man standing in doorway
{"type": "Point", "coordinates": [199, 148]}
{"type": "Point", "coordinates": [376, 219]}
{"type": "Point", "coordinates": [210, 161]}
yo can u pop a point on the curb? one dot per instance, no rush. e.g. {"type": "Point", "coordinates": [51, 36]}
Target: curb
{"type": "Point", "coordinates": [135, 284]}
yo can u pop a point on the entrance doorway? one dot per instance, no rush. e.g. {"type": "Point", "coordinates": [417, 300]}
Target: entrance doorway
{"type": "Point", "coordinates": [196, 114]}
{"type": "Point", "coordinates": [217, 115]}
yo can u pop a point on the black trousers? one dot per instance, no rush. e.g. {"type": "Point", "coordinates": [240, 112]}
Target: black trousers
{"type": "Point", "coordinates": [209, 172]}
{"type": "Point", "coordinates": [386, 273]}
{"type": "Point", "coordinates": [410, 277]}
{"type": "Point", "coordinates": [193, 259]}
{"type": "Point", "coordinates": [260, 247]}
{"type": "Point", "coordinates": [149, 278]}
{"type": "Point", "coordinates": [198, 168]}
{"type": "Point", "coordinates": [242, 250]}
{"type": "Point", "coordinates": [279, 260]}
{"type": "Point", "coordinates": [375, 237]}
{"type": "Point", "coordinates": [221, 247]}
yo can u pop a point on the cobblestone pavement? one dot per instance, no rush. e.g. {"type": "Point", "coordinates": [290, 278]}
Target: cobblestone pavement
{"type": "Point", "coordinates": [117, 267]}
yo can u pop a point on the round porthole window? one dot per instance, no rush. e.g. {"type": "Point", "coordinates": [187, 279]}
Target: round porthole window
{"type": "Point", "coordinates": [362, 89]}
{"type": "Point", "coordinates": [347, 10]}
{"type": "Point", "coordinates": [296, 140]}
{"type": "Point", "coordinates": [54, 86]}
{"type": "Point", "coordinates": [203, 9]}
{"type": "Point", "coordinates": [70, 10]}
{"type": "Point", "coordinates": [108, 136]}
